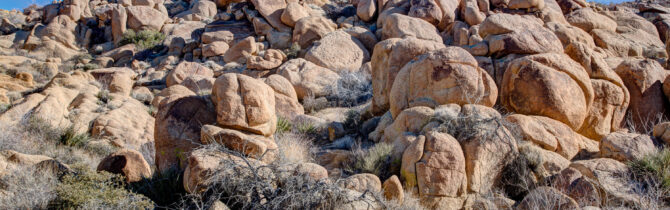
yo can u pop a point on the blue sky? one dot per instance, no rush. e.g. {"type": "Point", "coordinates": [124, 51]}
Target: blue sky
{"type": "Point", "coordinates": [20, 4]}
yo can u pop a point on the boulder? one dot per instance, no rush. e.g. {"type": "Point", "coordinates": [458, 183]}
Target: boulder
{"type": "Point", "coordinates": [428, 10]}
{"type": "Point", "coordinates": [515, 34]}
{"type": "Point", "coordinates": [393, 189]}
{"type": "Point", "coordinates": [587, 19]}
{"type": "Point", "coordinates": [270, 60]}
{"type": "Point", "coordinates": [310, 29]}
{"type": "Point", "coordinates": [629, 42]}
{"type": "Point", "coordinates": [129, 126]}
{"type": "Point", "coordinates": [411, 120]}
{"type": "Point", "coordinates": [272, 11]}
{"type": "Point", "coordinates": [644, 80]}
{"type": "Point", "coordinates": [611, 177]}
{"type": "Point", "coordinates": [366, 9]}
{"type": "Point", "coordinates": [547, 133]}
{"type": "Point", "coordinates": [144, 18]}
{"type": "Point", "coordinates": [389, 57]}
{"type": "Point", "coordinates": [471, 12]}
{"type": "Point", "coordinates": [218, 48]}
{"type": "Point", "coordinates": [178, 125]}
{"type": "Point", "coordinates": [339, 52]}
{"type": "Point", "coordinates": [293, 12]}
{"type": "Point", "coordinates": [205, 9]}
{"type": "Point", "coordinates": [569, 34]}
{"type": "Point", "coordinates": [313, 170]}
{"type": "Point", "coordinates": [251, 145]}
{"type": "Point", "coordinates": [362, 182]}
{"type": "Point", "coordinates": [403, 26]}
{"type": "Point", "coordinates": [186, 69]}
{"type": "Point", "coordinates": [441, 169]}
{"type": "Point", "coordinates": [244, 103]}
{"type": "Point", "coordinates": [449, 75]}
{"type": "Point", "coordinates": [307, 78]}
{"type": "Point", "coordinates": [551, 85]}
{"type": "Point", "coordinates": [286, 99]}
{"type": "Point", "coordinates": [128, 163]}
{"type": "Point", "coordinates": [661, 132]}
{"type": "Point", "coordinates": [241, 51]}
{"type": "Point", "coordinates": [626, 146]}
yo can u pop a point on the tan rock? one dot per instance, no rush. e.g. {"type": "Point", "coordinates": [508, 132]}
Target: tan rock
{"type": "Point", "coordinates": [643, 78]}
{"type": "Point", "coordinates": [339, 52]}
{"type": "Point", "coordinates": [286, 99]}
{"type": "Point", "coordinates": [402, 26]}
{"type": "Point", "coordinates": [661, 132]}
{"type": "Point", "coordinates": [362, 182]}
{"type": "Point", "coordinates": [515, 34]}
{"type": "Point", "coordinates": [218, 48]}
{"type": "Point", "coordinates": [272, 59]}
{"type": "Point", "coordinates": [526, 4]}
{"type": "Point", "coordinates": [313, 170]}
{"type": "Point", "coordinates": [293, 12]}
{"type": "Point", "coordinates": [393, 189]}
{"type": "Point", "coordinates": [241, 51]}
{"type": "Point", "coordinates": [587, 19]}
{"type": "Point", "coordinates": [129, 126]}
{"type": "Point", "coordinates": [389, 57]}
{"type": "Point", "coordinates": [471, 12]}
{"type": "Point", "coordinates": [177, 131]}
{"type": "Point", "coordinates": [205, 9]}
{"type": "Point", "coordinates": [186, 69]}
{"type": "Point", "coordinates": [570, 34]}
{"type": "Point", "coordinates": [626, 146]}
{"type": "Point", "coordinates": [410, 120]}
{"type": "Point", "coordinates": [366, 9]}
{"type": "Point", "coordinates": [564, 93]}
{"type": "Point", "coordinates": [203, 164]}
{"type": "Point", "coordinates": [142, 18]}
{"type": "Point", "coordinates": [609, 176]}
{"type": "Point", "coordinates": [170, 94]}
{"type": "Point", "coordinates": [312, 28]}
{"type": "Point", "coordinates": [547, 163]}
{"type": "Point", "coordinates": [441, 170]}
{"type": "Point", "coordinates": [428, 10]}
{"type": "Point", "coordinates": [128, 163]}
{"type": "Point", "coordinates": [272, 11]}
{"type": "Point", "coordinates": [254, 146]}
{"type": "Point", "coordinates": [245, 103]}
{"type": "Point", "coordinates": [307, 78]}
{"type": "Point", "coordinates": [444, 76]}
{"type": "Point", "coordinates": [629, 42]}
{"type": "Point", "coordinates": [547, 133]}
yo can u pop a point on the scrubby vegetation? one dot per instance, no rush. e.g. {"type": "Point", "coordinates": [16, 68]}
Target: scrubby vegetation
{"type": "Point", "coordinates": [654, 169]}
{"type": "Point", "coordinates": [142, 39]}
{"type": "Point", "coordinates": [86, 189]}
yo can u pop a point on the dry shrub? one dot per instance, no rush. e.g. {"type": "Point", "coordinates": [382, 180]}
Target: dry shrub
{"type": "Point", "coordinates": [27, 188]}
{"type": "Point", "coordinates": [295, 148]}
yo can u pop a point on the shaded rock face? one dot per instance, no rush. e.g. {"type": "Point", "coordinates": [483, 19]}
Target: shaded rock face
{"type": "Point", "coordinates": [177, 132]}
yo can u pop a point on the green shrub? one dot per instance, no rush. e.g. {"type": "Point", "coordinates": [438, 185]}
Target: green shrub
{"type": "Point", "coordinates": [101, 190]}
{"type": "Point", "coordinates": [4, 107]}
{"type": "Point", "coordinates": [143, 39]}
{"type": "Point", "coordinates": [306, 128]}
{"type": "Point", "coordinates": [71, 138]}
{"type": "Point", "coordinates": [293, 51]}
{"type": "Point", "coordinates": [376, 160]}
{"type": "Point", "coordinates": [104, 97]}
{"type": "Point", "coordinates": [283, 125]}
{"type": "Point", "coordinates": [653, 168]}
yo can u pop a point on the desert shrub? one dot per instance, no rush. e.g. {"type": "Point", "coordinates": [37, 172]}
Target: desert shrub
{"type": "Point", "coordinates": [293, 51]}
{"type": "Point", "coordinates": [29, 188]}
{"type": "Point", "coordinates": [283, 125]}
{"type": "Point", "coordinates": [104, 97]}
{"type": "Point", "coordinates": [654, 169]}
{"type": "Point", "coordinates": [164, 188]}
{"type": "Point", "coordinates": [4, 107]}
{"type": "Point", "coordinates": [97, 190]}
{"type": "Point", "coordinates": [306, 128]}
{"type": "Point", "coordinates": [517, 177]}
{"type": "Point", "coordinates": [142, 39]}
{"type": "Point", "coordinates": [71, 138]}
{"type": "Point", "coordinates": [352, 89]}
{"type": "Point", "coordinates": [376, 160]}
{"type": "Point", "coordinates": [295, 148]}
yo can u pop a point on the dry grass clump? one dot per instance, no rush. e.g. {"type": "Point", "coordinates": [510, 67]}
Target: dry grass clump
{"type": "Point", "coordinates": [27, 188]}
{"type": "Point", "coordinates": [295, 148]}
{"type": "Point", "coordinates": [376, 160]}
